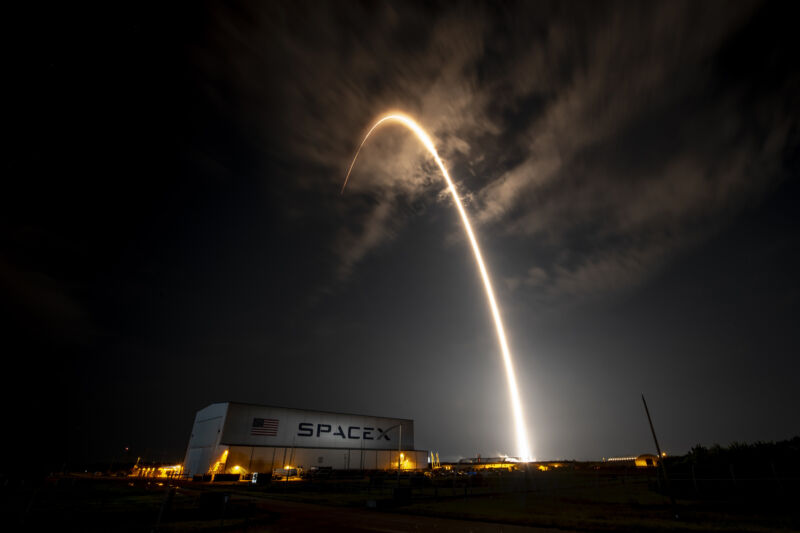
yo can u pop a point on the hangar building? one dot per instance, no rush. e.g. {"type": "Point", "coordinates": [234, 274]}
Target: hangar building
{"type": "Point", "coordinates": [238, 438]}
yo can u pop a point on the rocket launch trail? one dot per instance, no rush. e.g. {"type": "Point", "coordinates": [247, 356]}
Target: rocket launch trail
{"type": "Point", "coordinates": [523, 447]}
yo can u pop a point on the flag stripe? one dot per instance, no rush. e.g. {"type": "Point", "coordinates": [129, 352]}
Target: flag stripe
{"type": "Point", "coordinates": [267, 427]}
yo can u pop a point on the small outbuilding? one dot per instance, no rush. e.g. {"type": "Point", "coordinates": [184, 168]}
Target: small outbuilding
{"type": "Point", "coordinates": [646, 460]}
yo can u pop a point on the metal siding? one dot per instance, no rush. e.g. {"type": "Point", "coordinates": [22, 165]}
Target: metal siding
{"type": "Point", "coordinates": [206, 433]}
{"type": "Point", "coordinates": [238, 456]}
{"type": "Point", "coordinates": [267, 459]}
{"type": "Point", "coordinates": [203, 446]}
{"type": "Point", "coordinates": [264, 459]}
{"type": "Point", "coordinates": [239, 424]}
{"type": "Point", "coordinates": [197, 461]}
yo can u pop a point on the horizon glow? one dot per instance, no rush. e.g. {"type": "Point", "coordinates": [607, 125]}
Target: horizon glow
{"type": "Point", "coordinates": [523, 447]}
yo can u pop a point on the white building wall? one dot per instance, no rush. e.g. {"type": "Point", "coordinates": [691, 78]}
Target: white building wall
{"type": "Point", "coordinates": [312, 429]}
{"type": "Point", "coordinates": [248, 459]}
{"type": "Point", "coordinates": [204, 442]}
{"type": "Point", "coordinates": [296, 437]}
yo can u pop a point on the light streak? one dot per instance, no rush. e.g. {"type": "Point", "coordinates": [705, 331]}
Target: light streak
{"type": "Point", "coordinates": [523, 447]}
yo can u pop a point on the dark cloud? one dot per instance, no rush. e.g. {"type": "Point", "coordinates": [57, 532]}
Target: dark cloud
{"type": "Point", "coordinates": [567, 124]}
{"type": "Point", "coordinates": [640, 148]}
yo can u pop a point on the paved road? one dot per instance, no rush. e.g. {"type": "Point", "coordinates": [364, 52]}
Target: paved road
{"type": "Point", "coordinates": [294, 516]}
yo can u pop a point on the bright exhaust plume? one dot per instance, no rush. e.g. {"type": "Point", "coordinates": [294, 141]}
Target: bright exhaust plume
{"type": "Point", "coordinates": [523, 447]}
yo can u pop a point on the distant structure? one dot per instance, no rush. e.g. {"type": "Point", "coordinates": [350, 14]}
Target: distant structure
{"type": "Point", "coordinates": [489, 463]}
{"type": "Point", "coordinates": [236, 438]}
{"type": "Point", "coordinates": [642, 461]}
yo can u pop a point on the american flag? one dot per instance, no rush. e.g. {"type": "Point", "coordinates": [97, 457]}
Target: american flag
{"type": "Point", "coordinates": [267, 427]}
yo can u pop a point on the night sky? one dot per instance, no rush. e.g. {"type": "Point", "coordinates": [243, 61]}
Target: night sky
{"type": "Point", "coordinates": [172, 231]}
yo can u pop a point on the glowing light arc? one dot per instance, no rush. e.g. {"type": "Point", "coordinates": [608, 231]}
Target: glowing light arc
{"type": "Point", "coordinates": [516, 405]}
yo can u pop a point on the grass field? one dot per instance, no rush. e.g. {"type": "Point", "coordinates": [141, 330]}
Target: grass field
{"type": "Point", "coordinates": [571, 500]}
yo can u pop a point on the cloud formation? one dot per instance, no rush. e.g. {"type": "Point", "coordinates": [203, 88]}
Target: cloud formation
{"type": "Point", "coordinates": [609, 137]}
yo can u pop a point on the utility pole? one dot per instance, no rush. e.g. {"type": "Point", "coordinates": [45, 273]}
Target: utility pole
{"type": "Point", "coordinates": [399, 443]}
{"type": "Point", "coordinates": [661, 460]}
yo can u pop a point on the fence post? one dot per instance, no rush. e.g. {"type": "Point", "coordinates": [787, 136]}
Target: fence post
{"type": "Point", "coordinates": [165, 504]}
{"type": "Point", "coordinates": [225, 499]}
{"type": "Point", "coordinates": [775, 474]}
